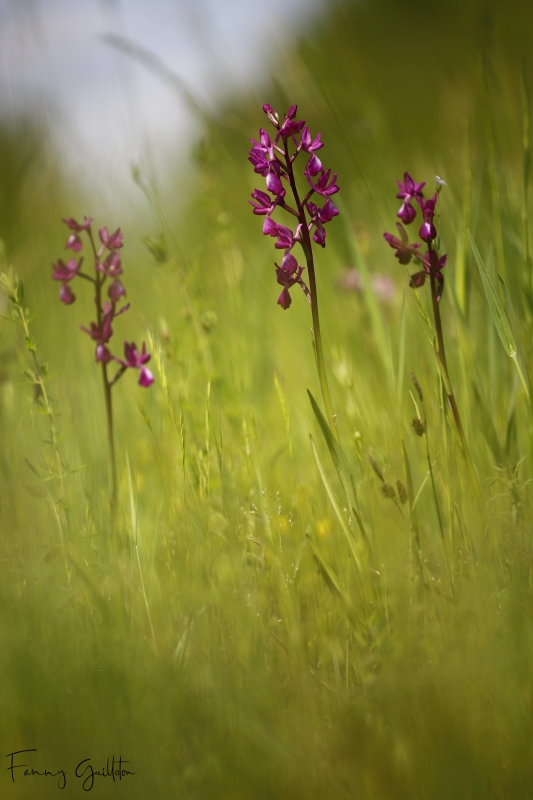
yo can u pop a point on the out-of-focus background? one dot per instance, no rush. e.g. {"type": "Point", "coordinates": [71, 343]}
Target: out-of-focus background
{"type": "Point", "coordinates": [228, 640]}
{"type": "Point", "coordinates": [109, 81]}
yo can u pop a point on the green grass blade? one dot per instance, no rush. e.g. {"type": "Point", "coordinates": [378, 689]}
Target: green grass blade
{"type": "Point", "coordinates": [335, 504]}
{"type": "Point", "coordinates": [339, 459]}
{"type": "Point", "coordinates": [329, 575]}
{"type": "Point", "coordinates": [499, 315]}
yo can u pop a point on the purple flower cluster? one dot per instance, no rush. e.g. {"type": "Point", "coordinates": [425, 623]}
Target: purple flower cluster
{"type": "Point", "coordinates": [430, 261]}
{"type": "Point", "coordinates": [107, 269]}
{"type": "Point", "coordinates": [272, 159]}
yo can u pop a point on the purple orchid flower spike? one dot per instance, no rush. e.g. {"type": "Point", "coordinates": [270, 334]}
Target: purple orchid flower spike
{"type": "Point", "coordinates": [432, 264]}
{"type": "Point", "coordinates": [105, 280]}
{"type": "Point", "coordinates": [275, 162]}
{"type": "Point", "coordinates": [404, 251]}
{"type": "Point", "coordinates": [267, 158]}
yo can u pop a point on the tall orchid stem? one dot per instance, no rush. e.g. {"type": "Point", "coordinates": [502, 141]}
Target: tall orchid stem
{"type": "Point", "coordinates": [308, 252]}
{"type": "Point", "coordinates": [111, 442]}
{"type": "Point", "coordinates": [107, 391]}
{"type": "Point", "coordinates": [442, 358]}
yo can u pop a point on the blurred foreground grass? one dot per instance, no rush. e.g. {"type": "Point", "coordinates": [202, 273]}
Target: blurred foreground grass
{"type": "Point", "coordinates": [202, 641]}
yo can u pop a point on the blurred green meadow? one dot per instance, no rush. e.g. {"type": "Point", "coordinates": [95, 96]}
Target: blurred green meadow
{"type": "Point", "coordinates": [222, 637]}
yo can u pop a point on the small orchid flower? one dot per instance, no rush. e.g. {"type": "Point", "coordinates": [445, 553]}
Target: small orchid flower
{"type": "Point", "coordinates": [286, 238]}
{"type": "Point", "coordinates": [314, 166]}
{"type": "Point", "coordinates": [310, 145]}
{"type": "Point", "coordinates": [264, 144]}
{"type": "Point", "coordinates": [404, 250]}
{"type": "Point", "coordinates": [409, 190]}
{"type": "Point", "coordinates": [103, 354]}
{"type": "Point", "coordinates": [427, 230]}
{"type": "Point", "coordinates": [66, 295]}
{"type": "Point", "coordinates": [265, 204]}
{"type": "Point", "coordinates": [113, 241]}
{"type": "Point", "coordinates": [434, 265]}
{"type": "Point", "coordinates": [74, 243]}
{"type": "Point", "coordinates": [287, 276]}
{"type": "Point", "coordinates": [273, 180]}
{"type": "Point", "coordinates": [271, 114]}
{"type": "Point", "coordinates": [319, 217]}
{"type": "Point", "coordinates": [259, 161]}
{"type": "Point", "coordinates": [136, 360]}
{"type": "Point", "coordinates": [116, 290]}
{"type": "Point", "coordinates": [78, 227]}
{"type": "Point", "coordinates": [290, 127]}
{"type": "Point", "coordinates": [270, 228]}
{"type": "Point", "coordinates": [111, 265]}
{"type": "Point", "coordinates": [66, 272]}
{"type": "Point", "coordinates": [322, 186]}
{"type": "Point", "coordinates": [328, 211]}
{"type": "Point", "coordinates": [99, 333]}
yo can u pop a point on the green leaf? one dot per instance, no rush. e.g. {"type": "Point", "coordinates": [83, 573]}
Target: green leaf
{"type": "Point", "coordinates": [328, 573]}
{"type": "Point", "coordinates": [7, 282]}
{"type": "Point", "coordinates": [144, 415]}
{"type": "Point", "coordinates": [486, 425]}
{"type": "Point", "coordinates": [337, 455]}
{"type": "Point", "coordinates": [157, 248]}
{"type": "Point", "coordinates": [335, 505]}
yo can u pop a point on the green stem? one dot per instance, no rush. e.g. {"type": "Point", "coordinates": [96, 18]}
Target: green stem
{"type": "Point", "coordinates": [111, 441]}
{"type": "Point", "coordinates": [308, 252]}
{"type": "Point", "coordinates": [98, 282]}
{"type": "Point", "coordinates": [441, 354]}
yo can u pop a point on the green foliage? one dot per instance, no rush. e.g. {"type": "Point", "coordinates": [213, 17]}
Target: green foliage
{"type": "Point", "coordinates": [237, 636]}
